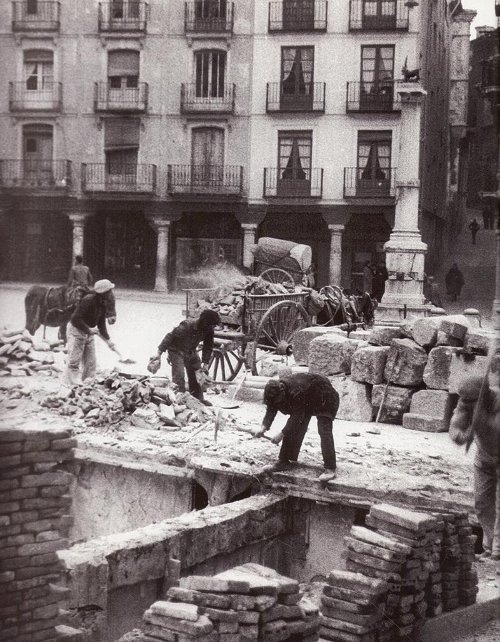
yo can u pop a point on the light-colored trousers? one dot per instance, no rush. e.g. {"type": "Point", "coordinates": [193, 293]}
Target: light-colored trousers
{"type": "Point", "coordinates": [81, 359]}
{"type": "Point", "coordinates": [487, 502]}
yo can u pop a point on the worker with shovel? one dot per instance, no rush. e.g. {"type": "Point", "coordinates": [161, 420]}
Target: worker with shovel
{"type": "Point", "coordinates": [302, 396]}
{"type": "Point", "coordinates": [88, 320]}
{"type": "Point", "coordinates": [181, 344]}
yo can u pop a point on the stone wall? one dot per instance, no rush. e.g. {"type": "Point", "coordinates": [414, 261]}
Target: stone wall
{"type": "Point", "coordinates": [34, 523]}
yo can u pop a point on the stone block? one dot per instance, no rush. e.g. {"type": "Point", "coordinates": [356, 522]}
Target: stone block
{"type": "Point", "coordinates": [302, 339]}
{"type": "Point", "coordinates": [285, 584]}
{"type": "Point", "coordinates": [405, 363]}
{"type": "Point", "coordinates": [432, 403]}
{"type": "Point", "coordinates": [424, 423]}
{"type": "Point", "coordinates": [178, 610]}
{"type": "Point", "coordinates": [479, 341]}
{"type": "Point", "coordinates": [201, 627]}
{"type": "Point", "coordinates": [325, 354]}
{"type": "Point", "coordinates": [356, 582]}
{"type": "Point", "coordinates": [355, 399]}
{"type": "Point", "coordinates": [437, 369]}
{"type": "Point", "coordinates": [214, 584]}
{"type": "Point", "coordinates": [397, 402]}
{"type": "Point", "coordinates": [383, 335]}
{"type": "Point", "coordinates": [271, 366]}
{"type": "Point", "coordinates": [464, 366]}
{"type": "Point", "coordinates": [425, 330]}
{"type": "Point", "coordinates": [348, 350]}
{"type": "Point", "coordinates": [368, 364]}
{"type": "Point", "coordinates": [455, 326]}
{"type": "Point", "coordinates": [444, 340]}
{"type": "Point", "coordinates": [257, 585]}
{"type": "Point", "coordinates": [410, 519]}
{"type": "Point", "coordinates": [212, 600]}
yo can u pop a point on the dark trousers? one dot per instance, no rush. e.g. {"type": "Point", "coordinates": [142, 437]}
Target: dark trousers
{"type": "Point", "coordinates": [191, 362]}
{"type": "Point", "coordinates": [294, 433]}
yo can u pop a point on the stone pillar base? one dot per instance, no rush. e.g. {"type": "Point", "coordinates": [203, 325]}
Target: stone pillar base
{"type": "Point", "coordinates": [393, 315]}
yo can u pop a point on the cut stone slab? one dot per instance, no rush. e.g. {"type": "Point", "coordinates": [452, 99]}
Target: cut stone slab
{"type": "Point", "coordinates": [424, 423]}
{"type": "Point", "coordinates": [177, 610]}
{"type": "Point", "coordinates": [455, 326]}
{"type": "Point", "coordinates": [383, 335]}
{"type": "Point", "coordinates": [397, 402]}
{"type": "Point", "coordinates": [325, 354]}
{"type": "Point", "coordinates": [214, 584]}
{"type": "Point", "coordinates": [303, 338]}
{"type": "Point", "coordinates": [286, 584]}
{"type": "Point", "coordinates": [257, 585]}
{"type": "Point", "coordinates": [410, 519]}
{"type": "Point", "coordinates": [432, 403]}
{"type": "Point", "coordinates": [437, 369]}
{"type": "Point", "coordinates": [405, 363]}
{"type": "Point", "coordinates": [356, 582]}
{"type": "Point", "coordinates": [425, 330]}
{"type": "Point", "coordinates": [355, 399]}
{"type": "Point", "coordinates": [368, 364]}
{"type": "Point", "coordinates": [462, 367]}
{"type": "Point", "coordinates": [479, 341]}
{"type": "Point", "coordinates": [371, 537]}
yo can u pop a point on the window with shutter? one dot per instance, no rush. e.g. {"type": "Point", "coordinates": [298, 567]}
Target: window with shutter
{"type": "Point", "coordinates": [121, 145]}
{"type": "Point", "coordinates": [123, 69]}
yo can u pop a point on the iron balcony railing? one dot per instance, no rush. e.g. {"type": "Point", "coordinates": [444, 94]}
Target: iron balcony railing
{"type": "Point", "coordinates": [128, 177]}
{"type": "Point", "coordinates": [278, 100]}
{"type": "Point", "coordinates": [205, 179]}
{"type": "Point", "coordinates": [197, 98]}
{"type": "Point", "coordinates": [47, 99]}
{"type": "Point", "coordinates": [107, 98]}
{"type": "Point", "coordinates": [129, 15]}
{"type": "Point", "coordinates": [298, 15]}
{"type": "Point", "coordinates": [360, 182]}
{"type": "Point", "coordinates": [35, 174]}
{"type": "Point", "coordinates": [378, 15]}
{"type": "Point", "coordinates": [208, 16]}
{"type": "Point", "coordinates": [378, 96]}
{"type": "Point", "coordinates": [299, 183]}
{"type": "Point", "coordinates": [39, 15]}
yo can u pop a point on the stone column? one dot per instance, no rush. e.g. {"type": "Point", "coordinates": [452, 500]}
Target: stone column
{"type": "Point", "coordinates": [78, 223]}
{"type": "Point", "coordinates": [335, 269]}
{"type": "Point", "coordinates": [249, 235]}
{"type": "Point", "coordinates": [161, 278]}
{"type": "Point", "coordinates": [405, 251]}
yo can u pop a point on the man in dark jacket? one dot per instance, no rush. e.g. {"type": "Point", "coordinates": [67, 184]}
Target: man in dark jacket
{"type": "Point", "coordinates": [454, 282]}
{"type": "Point", "coordinates": [302, 396]}
{"type": "Point", "coordinates": [79, 275]}
{"type": "Point", "coordinates": [181, 344]}
{"type": "Point", "coordinates": [89, 319]}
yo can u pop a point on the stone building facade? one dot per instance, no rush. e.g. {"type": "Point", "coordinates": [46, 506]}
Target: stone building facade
{"type": "Point", "coordinates": [156, 138]}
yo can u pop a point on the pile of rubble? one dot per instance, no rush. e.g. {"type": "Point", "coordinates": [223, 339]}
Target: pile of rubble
{"type": "Point", "coordinates": [411, 370]}
{"type": "Point", "coordinates": [20, 355]}
{"type": "Point", "coordinates": [109, 399]}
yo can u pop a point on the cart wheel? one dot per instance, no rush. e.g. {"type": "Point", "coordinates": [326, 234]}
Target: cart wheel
{"type": "Point", "coordinates": [276, 330]}
{"type": "Point", "coordinates": [224, 365]}
{"type": "Point", "coordinates": [333, 296]}
{"type": "Point", "coordinates": [277, 275]}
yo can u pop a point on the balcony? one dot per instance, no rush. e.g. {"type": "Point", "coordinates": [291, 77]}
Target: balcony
{"type": "Point", "coordinates": [279, 101]}
{"type": "Point", "coordinates": [208, 17]}
{"type": "Point", "coordinates": [28, 15]}
{"type": "Point", "coordinates": [311, 186]}
{"type": "Point", "coordinates": [47, 99]}
{"type": "Point", "coordinates": [298, 15]}
{"type": "Point", "coordinates": [381, 15]}
{"type": "Point", "coordinates": [358, 183]}
{"type": "Point", "coordinates": [370, 97]}
{"type": "Point", "coordinates": [122, 99]}
{"type": "Point", "coordinates": [196, 99]}
{"type": "Point", "coordinates": [126, 16]}
{"type": "Point", "coordinates": [31, 174]}
{"type": "Point", "coordinates": [217, 180]}
{"type": "Point", "coordinates": [129, 178]}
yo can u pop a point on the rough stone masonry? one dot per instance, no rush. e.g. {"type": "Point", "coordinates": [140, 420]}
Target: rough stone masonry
{"type": "Point", "coordinates": [34, 522]}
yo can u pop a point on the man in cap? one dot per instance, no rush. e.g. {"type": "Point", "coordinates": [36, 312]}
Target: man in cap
{"type": "Point", "coordinates": [89, 319]}
{"type": "Point", "coordinates": [302, 396]}
{"type": "Point", "coordinates": [181, 344]}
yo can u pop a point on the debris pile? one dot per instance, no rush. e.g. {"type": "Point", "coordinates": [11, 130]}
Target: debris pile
{"type": "Point", "coordinates": [248, 602]}
{"type": "Point", "coordinates": [20, 355]}
{"type": "Point", "coordinates": [109, 399]}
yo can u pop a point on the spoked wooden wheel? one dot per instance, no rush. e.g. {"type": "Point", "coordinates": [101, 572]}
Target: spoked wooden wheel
{"type": "Point", "coordinates": [226, 360]}
{"type": "Point", "coordinates": [275, 332]}
{"type": "Point", "coordinates": [277, 275]}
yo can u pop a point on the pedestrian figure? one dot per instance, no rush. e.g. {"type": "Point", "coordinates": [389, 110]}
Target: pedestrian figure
{"type": "Point", "coordinates": [454, 282]}
{"type": "Point", "coordinates": [486, 218]}
{"type": "Point", "coordinates": [477, 417]}
{"type": "Point", "coordinates": [181, 344]}
{"type": "Point", "coordinates": [302, 396]}
{"type": "Point", "coordinates": [367, 277]}
{"type": "Point", "coordinates": [379, 278]}
{"type": "Point", "coordinates": [79, 280]}
{"type": "Point", "coordinates": [474, 227]}
{"type": "Point", "coordinates": [89, 319]}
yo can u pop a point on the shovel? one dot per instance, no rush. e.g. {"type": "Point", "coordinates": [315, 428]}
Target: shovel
{"type": "Point", "coordinates": [116, 351]}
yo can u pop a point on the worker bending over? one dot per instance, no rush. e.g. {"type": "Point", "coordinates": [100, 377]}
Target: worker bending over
{"type": "Point", "coordinates": [302, 396]}
{"type": "Point", "coordinates": [181, 344]}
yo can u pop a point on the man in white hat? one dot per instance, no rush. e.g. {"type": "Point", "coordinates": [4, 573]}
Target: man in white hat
{"type": "Point", "coordinates": [89, 319]}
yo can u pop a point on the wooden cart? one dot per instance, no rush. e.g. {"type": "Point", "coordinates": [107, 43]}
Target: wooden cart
{"type": "Point", "coordinates": [267, 326]}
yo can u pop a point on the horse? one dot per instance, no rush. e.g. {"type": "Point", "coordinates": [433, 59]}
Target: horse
{"type": "Point", "coordinates": [343, 307]}
{"type": "Point", "coordinates": [54, 306]}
